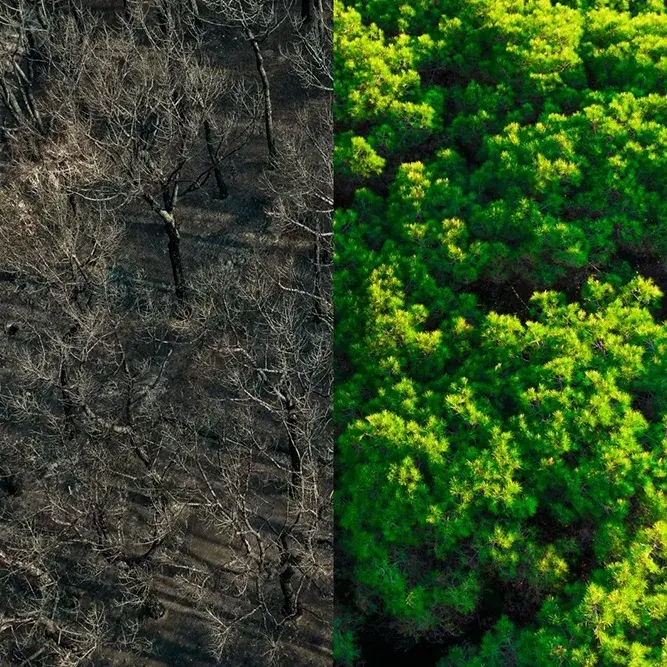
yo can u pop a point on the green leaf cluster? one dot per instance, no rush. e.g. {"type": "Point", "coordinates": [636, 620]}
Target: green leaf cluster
{"type": "Point", "coordinates": [502, 469]}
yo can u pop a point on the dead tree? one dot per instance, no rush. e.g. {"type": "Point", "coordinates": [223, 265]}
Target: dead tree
{"type": "Point", "coordinates": [311, 52]}
{"type": "Point", "coordinates": [79, 433]}
{"type": "Point", "coordinates": [223, 190]}
{"type": "Point", "coordinates": [301, 185]}
{"type": "Point", "coordinates": [266, 90]}
{"type": "Point", "coordinates": [148, 101]}
{"type": "Point", "coordinates": [120, 420]}
{"type": "Point", "coordinates": [277, 399]}
{"type": "Point", "coordinates": [24, 27]}
{"type": "Point", "coordinates": [150, 106]}
{"type": "Point", "coordinates": [256, 20]}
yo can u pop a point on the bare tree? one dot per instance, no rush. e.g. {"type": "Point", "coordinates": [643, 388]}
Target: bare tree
{"type": "Point", "coordinates": [69, 436]}
{"type": "Point", "coordinates": [276, 400]}
{"type": "Point", "coordinates": [148, 108]}
{"type": "Point", "coordinates": [147, 100]}
{"type": "Point", "coordinates": [23, 28]}
{"type": "Point", "coordinates": [311, 53]}
{"type": "Point", "coordinates": [302, 202]}
{"type": "Point", "coordinates": [123, 425]}
{"type": "Point", "coordinates": [256, 20]}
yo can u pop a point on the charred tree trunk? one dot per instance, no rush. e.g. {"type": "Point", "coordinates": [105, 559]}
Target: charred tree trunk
{"type": "Point", "coordinates": [223, 191]}
{"type": "Point", "coordinates": [291, 606]}
{"type": "Point", "coordinates": [174, 245]}
{"type": "Point", "coordinates": [67, 400]}
{"type": "Point", "coordinates": [294, 453]}
{"type": "Point", "coordinates": [266, 91]}
{"type": "Point", "coordinates": [175, 257]}
{"type": "Point", "coordinates": [306, 10]}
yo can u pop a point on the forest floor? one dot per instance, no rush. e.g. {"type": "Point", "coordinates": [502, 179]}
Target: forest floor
{"type": "Point", "coordinates": [212, 230]}
{"type": "Point", "coordinates": [229, 228]}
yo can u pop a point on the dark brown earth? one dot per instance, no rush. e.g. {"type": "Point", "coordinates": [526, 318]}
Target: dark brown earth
{"type": "Point", "coordinates": [216, 230]}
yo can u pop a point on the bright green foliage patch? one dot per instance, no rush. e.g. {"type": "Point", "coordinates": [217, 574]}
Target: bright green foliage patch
{"type": "Point", "coordinates": [501, 470]}
{"type": "Point", "coordinates": [494, 471]}
{"type": "Point", "coordinates": [618, 618]}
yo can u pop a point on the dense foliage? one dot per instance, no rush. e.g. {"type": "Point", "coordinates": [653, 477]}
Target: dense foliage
{"type": "Point", "coordinates": [502, 382]}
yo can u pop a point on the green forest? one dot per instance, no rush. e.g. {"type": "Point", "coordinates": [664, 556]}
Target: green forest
{"type": "Point", "coordinates": [501, 344]}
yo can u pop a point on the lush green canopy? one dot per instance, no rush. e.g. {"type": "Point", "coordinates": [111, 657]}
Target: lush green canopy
{"type": "Point", "coordinates": [502, 470]}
